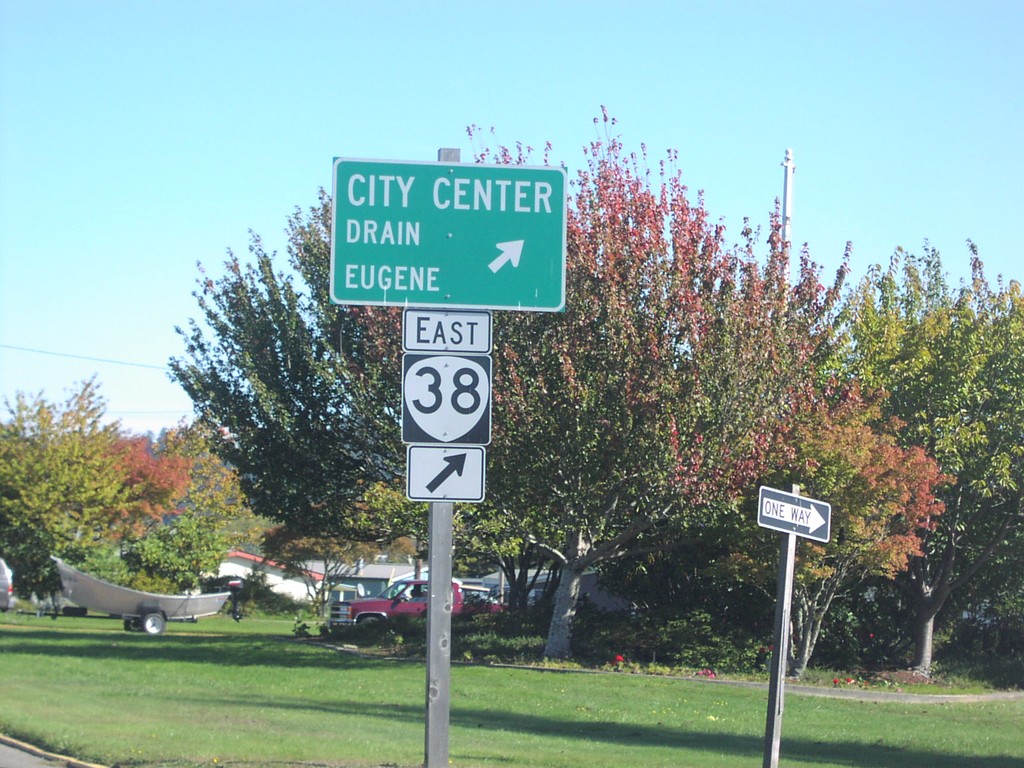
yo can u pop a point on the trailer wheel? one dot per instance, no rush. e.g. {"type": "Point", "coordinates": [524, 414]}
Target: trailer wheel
{"type": "Point", "coordinates": [154, 623]}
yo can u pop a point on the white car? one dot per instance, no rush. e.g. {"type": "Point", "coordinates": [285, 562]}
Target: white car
{"type": "Point", "coordinates": [6, 587]}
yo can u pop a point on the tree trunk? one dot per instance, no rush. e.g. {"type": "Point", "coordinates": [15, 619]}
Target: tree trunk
{"type": "Point", "coordinates": [924, 630]}
{"type": "Point", "coordinates": [928, 601]}
{"type": "Point", "coordinates": [559, 644]}
{"type": "Point", "coordinates": [809, 611]}
{"type": "Point", "coordinates": [805, 643]}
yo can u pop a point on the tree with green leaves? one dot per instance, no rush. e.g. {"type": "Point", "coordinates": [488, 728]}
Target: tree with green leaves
{"type": "Point", "coordinates": [336, 558]}
{"type": "Point", "coordinates": [62, 484]}
{"type": "Point", "coordinates": [278, 375]}
{"type": "Point", "coordinates": [174, 556]}
{"type": "Point", "coordinates": [952, 362]}
{"type": "Point", "coordinates": [214, 488]}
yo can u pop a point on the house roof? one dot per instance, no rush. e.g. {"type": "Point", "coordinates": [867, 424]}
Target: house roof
{"type": "Point", "coordinates": [258, 560]}
{"type": "Point", "coordinates": [388, 572]}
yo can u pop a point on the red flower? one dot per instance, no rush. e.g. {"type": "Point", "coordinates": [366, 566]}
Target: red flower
{"type": "Point", "coordinates": [619, 659]}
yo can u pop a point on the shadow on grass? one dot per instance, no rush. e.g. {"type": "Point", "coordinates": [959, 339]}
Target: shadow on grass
{"type": "Point", "coordinates": [220, 650]}
{"type": "Point", "coordinates": [624, 735]}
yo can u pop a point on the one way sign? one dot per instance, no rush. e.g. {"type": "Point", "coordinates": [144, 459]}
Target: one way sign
{"type": "Point", "coordinates": [787, 512]}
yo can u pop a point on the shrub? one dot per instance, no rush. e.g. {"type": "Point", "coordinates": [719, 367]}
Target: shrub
{"type": "Point", "coordinates": [496, 638]}
{"type": "Point", "coordinates": [147, 582]}
{"type": "Point", "coordinates": [402, 635]}
{"type": "Point", "coordinates": [692, 640]}
{"type": "Point", "coordinates": [649, 642]}
{"type": "Point", "coordinates": [257, 596]}
{"type": "Point", "coordinates": [995, 670]}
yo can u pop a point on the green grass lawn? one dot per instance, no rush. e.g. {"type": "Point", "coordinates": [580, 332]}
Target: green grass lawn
{"type": "Point", "coordinates": [216, 693]}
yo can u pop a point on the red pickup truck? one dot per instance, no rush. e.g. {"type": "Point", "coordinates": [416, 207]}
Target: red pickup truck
{"type": "Point", "coordinates": [408, 597]}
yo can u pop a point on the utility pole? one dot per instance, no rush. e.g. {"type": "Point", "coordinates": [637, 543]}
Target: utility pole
{"type": "Point", "coordinates": [787, 197]}
{"type": "Point", "coordinates": [787, 555]}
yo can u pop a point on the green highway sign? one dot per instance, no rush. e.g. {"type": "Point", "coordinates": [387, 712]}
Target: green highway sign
{"type": "Point", "coordinates": [448, 234]}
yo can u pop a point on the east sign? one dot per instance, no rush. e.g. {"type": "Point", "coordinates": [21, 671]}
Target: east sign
{"type": "Point", "coordinates": [448, 234]}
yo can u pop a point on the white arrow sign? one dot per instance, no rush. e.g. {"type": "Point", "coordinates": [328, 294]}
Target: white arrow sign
{"type": "Point", "coordinates": [781, 511]}
{"type": "Point", "coordinates": [444, 473]}
{"type": "Point", "coordinates": [510, 253]}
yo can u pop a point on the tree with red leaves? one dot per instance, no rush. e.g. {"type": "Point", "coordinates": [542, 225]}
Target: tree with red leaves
{"type": "Point", "coordinates": [665, 387]}
{"type": "Point", "coordinates": [883, 499]}
{"type": "Point", "coordinates": [155, 482]}
{"type": "Point", "coordinates": [192, 530]}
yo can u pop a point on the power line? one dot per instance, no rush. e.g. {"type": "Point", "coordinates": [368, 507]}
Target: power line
{"type": "Point", "coordinates": [83, 357]}
{"type": "Point", "coordinates": [148, 413]}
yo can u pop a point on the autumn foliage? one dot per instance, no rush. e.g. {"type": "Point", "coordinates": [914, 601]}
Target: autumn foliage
{"type": "Point", "coordinates": [883, 498]}
{"type": "Point", "coordinates": [665, 387]}
{"type": "Point", "coordinates": [691, 364]}
{"type": "Point", "coordinates": [154, 482]}
{"type": "Point", "coordinates": [884, 493]}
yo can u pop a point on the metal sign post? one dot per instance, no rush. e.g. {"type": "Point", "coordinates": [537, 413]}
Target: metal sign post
{"type": "Point", "coordinates": [780, 653]}
{"type": "Point", "coordinates": [439, 617]}
{"type": "Point", "coordinates": [792, 515]}
{"type": "Point", "coordinates": [797, 525]}
{"type": "Point", "coordinates": [439, 629]}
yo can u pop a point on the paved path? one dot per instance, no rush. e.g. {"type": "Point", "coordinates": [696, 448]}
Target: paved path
{"type": "Point", "coordinates": [893, 697]}
{"type": "Point", "coordinates": [903, 698]}
{"type": "Point", "coordinates": [15, 758]}
{"type": "Point", "coordinates": [18, 754]}
{"type": "Point", "coordinates": [796, 689]}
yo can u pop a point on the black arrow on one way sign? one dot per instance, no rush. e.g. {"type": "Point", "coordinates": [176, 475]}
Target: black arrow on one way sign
{"type": "Point", "coordinates": [456, 463]}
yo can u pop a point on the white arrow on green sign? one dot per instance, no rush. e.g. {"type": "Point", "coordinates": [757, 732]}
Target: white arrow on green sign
{"type": "Point", "coordinates": [448, 234]}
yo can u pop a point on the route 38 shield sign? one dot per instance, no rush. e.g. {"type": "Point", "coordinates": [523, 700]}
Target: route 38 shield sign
{"type": "Point", "coordinates": [446, 399]}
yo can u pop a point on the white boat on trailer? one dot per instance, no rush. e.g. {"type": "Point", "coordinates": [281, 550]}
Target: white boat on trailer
{"type": "Point", "coordinates": [142, 611]}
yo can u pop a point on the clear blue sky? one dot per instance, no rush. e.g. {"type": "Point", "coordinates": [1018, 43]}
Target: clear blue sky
{"type": "Point", "coordinates": [137, 139]}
